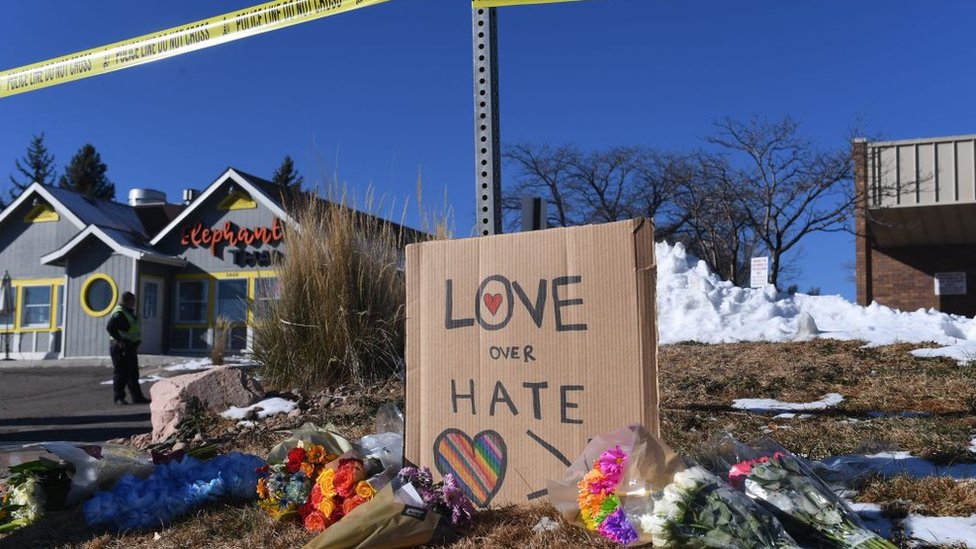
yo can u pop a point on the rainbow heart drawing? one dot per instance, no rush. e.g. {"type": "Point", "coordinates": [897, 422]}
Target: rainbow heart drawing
{"type": "Point", "coordinates": [478, 464]}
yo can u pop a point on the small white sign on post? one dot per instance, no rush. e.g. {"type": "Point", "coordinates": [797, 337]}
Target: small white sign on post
{"type": "Point", "coordinates": [953, 283]}
{"type": "Point", "coordinates": [759, 272]}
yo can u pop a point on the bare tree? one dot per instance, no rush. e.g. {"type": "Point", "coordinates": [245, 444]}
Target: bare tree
{"type": "Point", "coordinates": [788, 187]}
{"type": "Point", "coordinates": [716, 228]}
{"type": "Point", "coordinates": [596, 187]}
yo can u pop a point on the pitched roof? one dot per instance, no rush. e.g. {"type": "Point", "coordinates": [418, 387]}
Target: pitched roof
{"type": "Point", "coordinates": [259, 189]}
{"type": "Point", "coordinates": [121, 242]}
{"type": "Point", "coordinates": [102, 213]}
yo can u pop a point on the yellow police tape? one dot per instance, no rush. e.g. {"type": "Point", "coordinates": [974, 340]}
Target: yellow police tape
{"type": "Point", "coordinates": [500, 3]}
{"type": "Point", "coordinates": [175, 41]}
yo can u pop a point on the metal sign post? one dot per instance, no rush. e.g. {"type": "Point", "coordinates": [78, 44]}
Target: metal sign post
{"type": "Point", "coordinates": [488, 174]}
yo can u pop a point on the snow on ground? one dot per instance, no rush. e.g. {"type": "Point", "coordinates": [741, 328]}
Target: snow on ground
{"type": "Point", "coordinates": [941, 530]}
{"type": "Point", "coordinates": [146, 379]}
{"type": "Point", "coordinates": [894, 463]}
{"type": "Point", "coordinates": [205, 363]}
{"type": "Point", "coordinates": [695, 305]}
{"type": "Point", "coordinates": [972, 445]}
{"type": "Point", "coordinates": [268, 407]}
{"type": "Point", "coordinates": [768, 405]}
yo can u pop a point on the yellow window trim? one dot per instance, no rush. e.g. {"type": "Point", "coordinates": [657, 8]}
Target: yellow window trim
{"type": "Point", "coordinates": [84, 291]}
{"type": "Point", "coordinates": [41, 213]}
{"type": "Point", "coordinates": [18, 285]}
{"type": "Point", "coordinates": [212, 289]}
{"type": "Point", "coordinates": [237, 201]}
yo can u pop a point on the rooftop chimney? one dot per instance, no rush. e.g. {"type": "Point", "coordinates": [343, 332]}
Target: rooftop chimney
{"type": "Point", "coordinates": [146, 197]}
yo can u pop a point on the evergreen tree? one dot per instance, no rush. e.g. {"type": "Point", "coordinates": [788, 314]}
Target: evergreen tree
{"type": "Point", "coordinates": [86, 175]}
{"type": "Point", "coordinates": [36, 166]}
{"type": "Point", "coordinates": [287, 177]}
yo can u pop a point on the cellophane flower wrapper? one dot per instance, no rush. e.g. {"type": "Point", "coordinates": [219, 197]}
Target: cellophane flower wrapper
{"type": "Point", "coordinates": [663, 498]}
{"type": "Point", "coordinates": [310, 434]}
{"type": "Point", "coordinates": [786, 484]}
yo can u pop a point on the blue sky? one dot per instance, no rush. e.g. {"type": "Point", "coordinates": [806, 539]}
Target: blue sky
{"type": "Point", "coordinates": [378, 94]}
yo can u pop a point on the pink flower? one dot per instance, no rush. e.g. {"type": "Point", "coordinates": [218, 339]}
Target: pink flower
{"type": "Point", "coordinates": [611, 464]}
{"type": "Point", "coordinates": [739, 472]}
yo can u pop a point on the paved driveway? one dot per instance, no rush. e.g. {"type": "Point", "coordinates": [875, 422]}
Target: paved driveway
{"type": "Point", "coordinates": [52, 402]}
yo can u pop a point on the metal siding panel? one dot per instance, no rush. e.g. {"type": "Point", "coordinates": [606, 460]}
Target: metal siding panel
{"type": "Point", "coordinates": [925, 172]}
{"type": "Point", "coordinates": [86, 334]}
{"type": "Point", "coordinates": [888, 176]}
{"type": "Point", "coordinates": [945, 164]}
{"type": "Point", "coordinates": [965, 173]}
{"type": "Point", "coordinates": [906, 176]}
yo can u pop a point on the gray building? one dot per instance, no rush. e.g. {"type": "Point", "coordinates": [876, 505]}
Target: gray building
{"type": "Point", "coordinates": [71, 257]}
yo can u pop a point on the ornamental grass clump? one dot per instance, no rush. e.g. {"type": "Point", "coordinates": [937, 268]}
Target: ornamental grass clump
{"type": "Point", "coordinates": [339, 317]}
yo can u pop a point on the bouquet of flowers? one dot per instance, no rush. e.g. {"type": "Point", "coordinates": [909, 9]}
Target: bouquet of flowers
{"type": "Point", "coordinates": [173, 488]}
{"type": "Point", "coordinates": [772, 475]}
{"type": "Point", "coordinates": [632, 489]}
{"type": "Point", "coordinates": [315, 486]}
{"type": "Point", "coordinates": [30, 488]}
{"type": "Point", "coordinates": [699, 510]}
{"type": "Point", "coordinates": [406, 512]}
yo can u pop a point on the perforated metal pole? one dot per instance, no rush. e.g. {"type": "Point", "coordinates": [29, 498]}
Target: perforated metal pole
{"type": "Point", "coordinates": [486, 136]}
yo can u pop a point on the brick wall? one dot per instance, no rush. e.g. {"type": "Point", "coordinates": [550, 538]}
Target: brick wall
{"type": "Point", "coordinates": [903, 277]}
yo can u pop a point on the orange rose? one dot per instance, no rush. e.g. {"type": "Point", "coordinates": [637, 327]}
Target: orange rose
{"type": "Point", "coordinates": [315, 522]}
{"type": "Point", "coordinates": [365, 490]}
{"type": "Point", "coordinates": [316, 496]}
{"type": "Point", "coordinates": [262, 488]}
{"type": "Point", "coordinates": [308, 469]}
{"type": "Point", "coordinates": [351, 503]}
{"type": "Point", "coordinates": [326, 482]}
{"type": "Point", "coordinates": [349, 474]}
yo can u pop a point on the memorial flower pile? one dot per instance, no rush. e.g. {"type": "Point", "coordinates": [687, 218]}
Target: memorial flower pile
{"type": "Point", "coordinates": [173, 489]}
{"type": "Point", "coordinates": [314, 486]}
{"type": "Point", "coordinates": [698, 509]}
{"type": "Point", "coordinates": [599, 504]}
{"type": "Point", "coordinates": [808, 506]}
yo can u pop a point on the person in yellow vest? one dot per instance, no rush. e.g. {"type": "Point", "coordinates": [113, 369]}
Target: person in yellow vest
{"type": "Point", "coordinates": [123, 327]}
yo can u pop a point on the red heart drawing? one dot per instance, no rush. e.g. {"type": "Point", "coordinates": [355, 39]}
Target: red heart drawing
{"type": "Point", "coordinates": [478, 464]}
{"type": "Point", "coordinates": [492, 301]}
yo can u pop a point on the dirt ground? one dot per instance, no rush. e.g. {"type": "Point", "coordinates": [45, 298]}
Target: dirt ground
{"type": "Point", "coordinates": [892, 400]}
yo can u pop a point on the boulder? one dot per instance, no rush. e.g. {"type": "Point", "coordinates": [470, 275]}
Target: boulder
{"type": "Point", "coordinates": [217, 389]}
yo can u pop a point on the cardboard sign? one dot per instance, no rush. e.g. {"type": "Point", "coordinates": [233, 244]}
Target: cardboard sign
{"type": "Point", "coordinates": [759, 272]}
{"type": "Point", "coordinates": [951, 283]}
{"type": "Point", "coordinates": [522, 347]}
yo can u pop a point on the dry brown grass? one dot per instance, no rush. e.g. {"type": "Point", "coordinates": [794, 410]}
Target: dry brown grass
{"type": "Point", "coordinates": [698, 385]}
{"type": "Point", "coordinates": [340, 315]}
{"type": "Point", "coordinates": [934, 496]}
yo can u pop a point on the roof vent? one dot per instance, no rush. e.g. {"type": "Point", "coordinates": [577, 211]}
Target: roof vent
{"type": "Point", "coordinates": [146, 197]}
{"type": "Point", "coordinates": [189, 195]}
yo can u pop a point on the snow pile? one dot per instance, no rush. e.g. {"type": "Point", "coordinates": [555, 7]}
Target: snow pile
{"type": "Point", "coordinates": [695, 305]}
{"type": "Point", "coordinates": [266, 408]}
{"type": "Point", "coordinates": [763, 405]}
{"type": "Point", "coordinates": [889, 464]}
{"type": "Point", "coordinates": [941, 530]}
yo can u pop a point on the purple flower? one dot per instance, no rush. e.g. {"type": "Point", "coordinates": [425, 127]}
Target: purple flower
{"type": "Point", "coordinates": [612, 464]}
{"type": "Point", "coordinates": [462, 512]}
{"type": "Point", "coordinates": [618, 529]}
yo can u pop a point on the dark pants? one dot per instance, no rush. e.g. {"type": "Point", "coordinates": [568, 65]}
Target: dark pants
{"type": "Point", "coordinates": [125, 361]}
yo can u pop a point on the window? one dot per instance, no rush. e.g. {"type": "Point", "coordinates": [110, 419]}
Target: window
{"type": "Point", "coordinates": [191, 302]}
{"type": "Point", "coordinates": [266, 291]}
{"type": "Point", "coordinates": [150, 300]}
{"type": "Point", "coordinates": [189, 339]}
{"type": "Point", "coordinates": [232, 299]}
{"type": "Point", "coordinates": [98, 295]}
{"type": "Point", "coordinates": [35, 306]}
